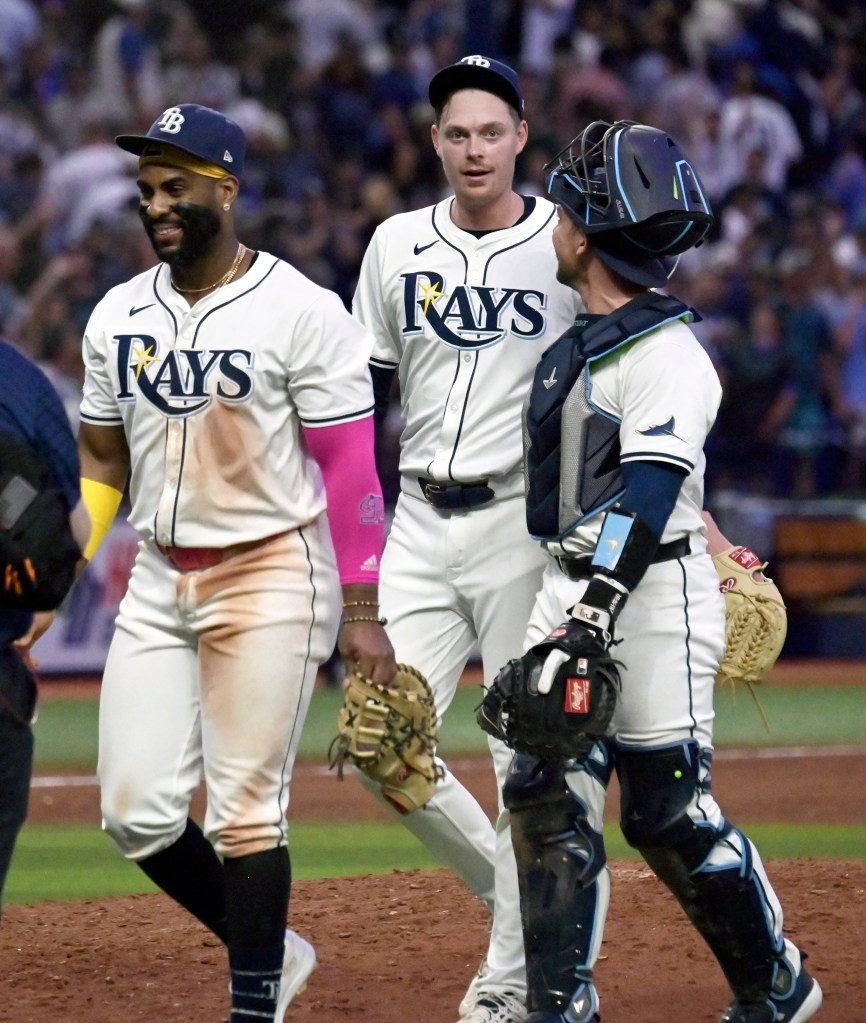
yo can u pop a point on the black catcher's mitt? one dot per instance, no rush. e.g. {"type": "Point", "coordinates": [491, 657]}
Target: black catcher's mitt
{"type": "Point", "coordinates": [564, 723]}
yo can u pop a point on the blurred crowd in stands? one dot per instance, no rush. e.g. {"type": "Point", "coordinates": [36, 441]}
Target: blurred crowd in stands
{"type": "Point", "coordinates": [767, 96]}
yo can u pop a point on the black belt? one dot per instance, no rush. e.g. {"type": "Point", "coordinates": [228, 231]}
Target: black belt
{"type": "Point", "coordinates": [580, 567]}
{"type": "Point", "coordinates": [455, 495]}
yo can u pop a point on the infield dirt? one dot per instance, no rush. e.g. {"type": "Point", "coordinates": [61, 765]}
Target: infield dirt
{"type": "Point", "coordinates": [401, 947]}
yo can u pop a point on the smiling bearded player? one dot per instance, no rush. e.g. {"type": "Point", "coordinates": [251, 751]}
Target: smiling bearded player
{"type": "Point", "coordinates": [234, 393]}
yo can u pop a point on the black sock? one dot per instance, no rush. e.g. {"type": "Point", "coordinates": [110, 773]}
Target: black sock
{"type": "Point", "coordinates": [257, 903]}
{"type": "Point", "coordinates": [257, 899]}
{"type": "Point", "coordinates": [255, 983]}
{"type": "Point", "coordinates": [191, 873]}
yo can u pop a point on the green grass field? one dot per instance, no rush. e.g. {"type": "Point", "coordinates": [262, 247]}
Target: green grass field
{"type": "Point", "coordinates": [75, 862]}
{"type": "Point", "coordinates": [810, 716]}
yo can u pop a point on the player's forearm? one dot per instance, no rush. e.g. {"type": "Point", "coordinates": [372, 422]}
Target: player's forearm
{"type": "Point", "coordinates": [716, 539]}
{"type": "Point", "coordinates": [104, 456]}
{"type": "Point", "coordinates": [355, 506]}
{"type": "Point", "coordinates": [80, 524]}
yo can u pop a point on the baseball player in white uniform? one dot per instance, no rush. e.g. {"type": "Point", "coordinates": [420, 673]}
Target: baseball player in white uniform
{"type": "Point", "coordinates": [615, 426]}
{"type": "Point", "coordinates": [462, 299]}
{"type": "Point", "coordinates": [235, 394]}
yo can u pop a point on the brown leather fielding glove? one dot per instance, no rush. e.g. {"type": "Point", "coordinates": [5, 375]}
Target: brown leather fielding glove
{"type": "Point", "coordinates": [756, 618]}
{"type": "Point", "coordinates": [389, 732]}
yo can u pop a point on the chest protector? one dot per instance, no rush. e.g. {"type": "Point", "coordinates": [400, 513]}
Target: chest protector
{"type": "Point", "coordinates": [571, 450]}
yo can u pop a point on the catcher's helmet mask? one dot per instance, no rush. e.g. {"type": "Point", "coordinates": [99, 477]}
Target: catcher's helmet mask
{"type": "Point", "coordinates": [632, 189]}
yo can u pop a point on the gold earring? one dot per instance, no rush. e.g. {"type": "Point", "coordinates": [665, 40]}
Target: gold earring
{"type": "Point", "coordinates": [227, 206]}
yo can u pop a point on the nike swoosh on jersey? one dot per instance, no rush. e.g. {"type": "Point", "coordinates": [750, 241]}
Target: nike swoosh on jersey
{"type": "Point", "coordinates": [140, 309]}
{"type": "Point", "coordinates": [423, 248]}
{"type": "Point", "coordinates": [551, 380]}
{"type": "Point", "coordinates": [664, 430]}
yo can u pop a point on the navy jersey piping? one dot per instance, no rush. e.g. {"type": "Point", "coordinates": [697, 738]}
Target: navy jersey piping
{"type": "Point", "coordinates": [346, 417]}
{"type": "Point", "coordinates": [450, 244]}
{"type": "Point", "coordinates": [487, 265]}
{"type": "Point", "coordinates": [210, 312]}
{"type": "Point", "coordinates": [635, 455]}
{"type": "Point", "coordinates": [453, 381]}
{"type": "Point", "coordinates": [685, 592]}
{"type": "Point", "coordinates": [657, 456]}
{"type": "Point", "coordinates": [308, 651]}
{"type": "Point", "coordinates": [462, 418]}
{"type": "Point", "coordinates": [516, 245]}
{"type": "Point", "coordinates": [161, 300]}
{"type": "Point", "coordinates": [87, 417]}
{"type": "Point", "coordinates": [235, 298]}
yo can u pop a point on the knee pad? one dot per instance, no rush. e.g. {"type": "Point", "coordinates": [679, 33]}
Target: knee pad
{"type": "Point", "coordinates": [658, 788]}
{"type": "Point", "coordinates": [564, 886]}
{"type": "Point", "coordinates": [711, 867]}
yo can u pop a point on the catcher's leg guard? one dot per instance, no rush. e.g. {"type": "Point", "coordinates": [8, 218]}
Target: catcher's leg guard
{"type": "Point", "coordinates": [713, 870]}
{"type": "Point", "coordinates": [556, 822]}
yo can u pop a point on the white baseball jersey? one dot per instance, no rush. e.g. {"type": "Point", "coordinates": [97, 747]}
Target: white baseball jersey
{"type": "Point", "coordinates": [210, 672]}
{"type": "Point", "coordinates": [664, 392]}
{"type": "Point", "coordinates": [466, 320]}
{"type": "Point", "coordinates": [212, 397]}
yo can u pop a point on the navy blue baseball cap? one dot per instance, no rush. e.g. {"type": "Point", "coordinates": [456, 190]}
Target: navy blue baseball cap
{"type": "Point", "coordinates": [203, 133]}
{"type": "Point", "coordinates": [477, 72]}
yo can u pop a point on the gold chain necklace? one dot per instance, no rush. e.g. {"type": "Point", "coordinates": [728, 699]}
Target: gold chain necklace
{"type": "Point", "coordinates": [226, 277]}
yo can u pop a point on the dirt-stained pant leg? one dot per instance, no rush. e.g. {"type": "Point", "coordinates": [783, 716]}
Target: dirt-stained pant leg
{"type": "Point", "coordinates": [210, 674]}
{"type": "Point", "coordinates": [452, 582]}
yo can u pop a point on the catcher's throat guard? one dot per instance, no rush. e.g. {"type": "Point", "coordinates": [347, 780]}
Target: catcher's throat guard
{"type": "Point", "coordinates": [389, 732]}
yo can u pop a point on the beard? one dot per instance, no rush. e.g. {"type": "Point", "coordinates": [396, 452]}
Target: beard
{"type": "Point", "coordinates": [200, 226]}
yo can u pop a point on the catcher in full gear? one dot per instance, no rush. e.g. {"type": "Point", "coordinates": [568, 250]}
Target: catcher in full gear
{"type": "Point", "coordinates": [628, 633]}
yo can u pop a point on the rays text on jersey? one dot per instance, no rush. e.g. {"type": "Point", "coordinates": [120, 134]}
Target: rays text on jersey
{"type": "Point", "coordinates": [470, 316]}
{"type": "Point", "coordinates": [183, 381]}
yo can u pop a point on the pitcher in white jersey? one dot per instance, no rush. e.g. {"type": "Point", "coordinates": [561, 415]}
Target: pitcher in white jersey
{"type": "Point", "coordinates": [462, 299]}
{"type": "Point", "coordinates": [235, 395]}
{"type": "Point", "coordinates": [614, 429]}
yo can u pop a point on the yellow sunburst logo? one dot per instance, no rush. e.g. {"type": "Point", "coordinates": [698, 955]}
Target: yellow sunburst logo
{"type": "Point", "coordinates": [142, 358]}
{"type": "Point", "coordinates": [430, 292]}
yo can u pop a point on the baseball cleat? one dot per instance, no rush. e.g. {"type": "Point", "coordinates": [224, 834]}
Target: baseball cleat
{"type": "Point", "coordinates": [473, 992]}
{"type": "Point", "coordinates": [798, 1003]}
{"type": "Point", "coordinates": [299, 961]}
{"type": "Point", "coordinates": [555, 1017]}
{"type": "Point", "coordinates": [493, 1007]}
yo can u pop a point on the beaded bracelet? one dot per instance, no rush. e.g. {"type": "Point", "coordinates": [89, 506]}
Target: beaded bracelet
{"type": "Point", "coordinates": [361, 603]}
{"type": "Point", "coordinates": [365, 618]}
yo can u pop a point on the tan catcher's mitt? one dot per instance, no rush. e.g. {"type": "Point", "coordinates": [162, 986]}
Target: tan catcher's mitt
{"type": "Point", "coordinates": [756, 619]}
{"type": "Point", "coordinates": [389, 732]}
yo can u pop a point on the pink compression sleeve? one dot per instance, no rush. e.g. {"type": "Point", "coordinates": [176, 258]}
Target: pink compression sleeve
{"type": "Point", "coordinates": [356, 511]}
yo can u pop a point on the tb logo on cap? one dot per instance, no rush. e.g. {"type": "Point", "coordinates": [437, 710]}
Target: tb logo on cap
{"type": "Point", "coordinates": [476, 59]}
{"type": "Point", "coordinates": [171, 121]}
